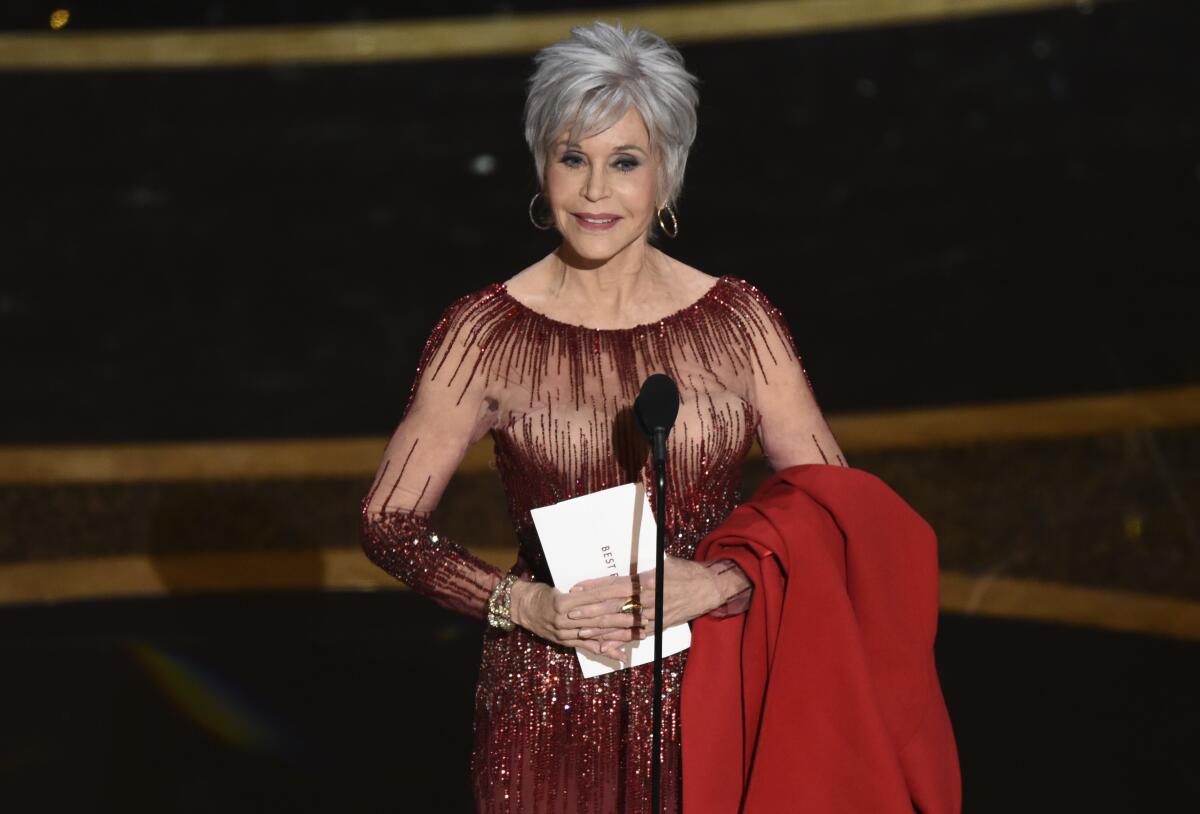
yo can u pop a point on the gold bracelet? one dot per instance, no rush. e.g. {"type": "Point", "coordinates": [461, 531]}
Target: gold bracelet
{"type": "Point", "coordinates": [499, 604]}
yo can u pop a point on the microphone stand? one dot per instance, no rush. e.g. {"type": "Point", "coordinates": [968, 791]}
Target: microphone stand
{"type": "Point", "coordinates": [660, 516]}
{"type": "Point", "coordinates": [656, 407]}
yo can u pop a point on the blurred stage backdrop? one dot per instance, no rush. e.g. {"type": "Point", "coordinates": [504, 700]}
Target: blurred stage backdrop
{"type": "Point", "coordinates": [227, 229]}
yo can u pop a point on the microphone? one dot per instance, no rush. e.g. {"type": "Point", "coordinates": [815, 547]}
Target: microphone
{"type": "Point", "coordinates": [655, 409]}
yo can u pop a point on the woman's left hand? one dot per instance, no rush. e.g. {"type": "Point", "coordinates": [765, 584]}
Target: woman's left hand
{"type": "Point", "coordinates": [689, 591]}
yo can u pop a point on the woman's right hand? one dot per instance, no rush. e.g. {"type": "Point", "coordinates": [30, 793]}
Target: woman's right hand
{"type": "Point", "coordinates": [542, 609]}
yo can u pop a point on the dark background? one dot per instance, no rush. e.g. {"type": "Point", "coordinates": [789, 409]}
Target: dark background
{"type": "Point", "coordinates": [963, 212]}
{"type": "Point", "coordinates": [972, 211]}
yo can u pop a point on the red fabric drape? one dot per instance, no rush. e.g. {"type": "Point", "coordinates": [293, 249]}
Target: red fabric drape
{"type": "Point", "coordinates": [823, 697]}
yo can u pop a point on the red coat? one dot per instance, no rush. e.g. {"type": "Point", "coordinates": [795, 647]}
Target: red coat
{"type": "Point", "coordinates": [823, 696]}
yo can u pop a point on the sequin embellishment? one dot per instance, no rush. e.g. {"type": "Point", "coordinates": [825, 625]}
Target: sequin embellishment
{"type": "Point", "coordinates": [556, 399]}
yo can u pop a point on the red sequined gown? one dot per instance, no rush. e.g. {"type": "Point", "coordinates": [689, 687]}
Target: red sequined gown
{"type": "Point", "coordinates": [557, 401]}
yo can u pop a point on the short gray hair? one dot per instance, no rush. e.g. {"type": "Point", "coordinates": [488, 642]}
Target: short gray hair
{"type": "Point", "coordinates": [589, 81]}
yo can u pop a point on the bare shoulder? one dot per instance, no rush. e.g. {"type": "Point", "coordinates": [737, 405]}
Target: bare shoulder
{"type": "Point", "coordinates": [693, 282]}
{"type": "Point", "coordinates": [530, 282]}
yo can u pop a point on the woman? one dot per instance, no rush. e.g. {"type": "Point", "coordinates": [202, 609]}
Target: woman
{"type": "Point", "coordinates": [549, 362]}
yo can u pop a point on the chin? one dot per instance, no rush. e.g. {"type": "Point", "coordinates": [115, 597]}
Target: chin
{"type": "Point", "coordinates": [597, 253]}
{"type": "Point", "coordinates": [596, 247]}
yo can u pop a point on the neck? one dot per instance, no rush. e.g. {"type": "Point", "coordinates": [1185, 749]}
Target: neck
{"type": "Point", "coordinates": [606, 285]}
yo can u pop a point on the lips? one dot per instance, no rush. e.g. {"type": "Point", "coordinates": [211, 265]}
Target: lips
{"type": "Point", "coordinates": [596, 221]}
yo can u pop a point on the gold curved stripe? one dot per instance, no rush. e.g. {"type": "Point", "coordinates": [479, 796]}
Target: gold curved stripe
{"type": "Point", "coordinates": [1043, 601]}
{"type": "Point", "coordinates": [1043, 419]}
{"type": "Point", "coordinates": [467, 37]}
{"type": "Point", "coordinates": [347, 569]}
{"type": "Point", "coordinates": [358, 457]}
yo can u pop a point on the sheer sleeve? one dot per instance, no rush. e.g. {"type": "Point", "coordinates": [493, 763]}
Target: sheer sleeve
{"type": "Point", "coordinates": [791, 428]}
{"type": "Point", "coordinates": [447, 411]}
{"type": "Point", "coordinates": [743, 588]}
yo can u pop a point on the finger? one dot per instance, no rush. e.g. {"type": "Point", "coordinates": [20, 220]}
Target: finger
{"type": "Point", "coordinates": [612, 650]}
{"type": "Point", "coordinates": [578, 620]}
{"type": "Point", "coordinates": [599, 648]}
{"type": "Point", "coordinates": [598, 608]}
{"type": "Point", "coordinates": [589, 604]}
{"type": "Point", "coordinates": [644, 603]}
{"type": "Point", "coordinates": [615, 650]}
{"type": "Point", "coordinates": [607, 587]}
{"type": "Point", "coordinates": [624, 634]}
{"type": "Point", "coordinates": [605, 598]}
{"type": "Point", "coordinates": [618, 634]}
{"type": "Point", "coordinates": [619, 620]}
{"type": "Point", "coordinates": [602, 621]}
{"type": "Point", "coordinates": [590, 645]}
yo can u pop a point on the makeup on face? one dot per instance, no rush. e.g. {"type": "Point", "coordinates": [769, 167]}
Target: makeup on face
{"type": "Point", "coordinates": [596, 222]}
{"type": "Point", "coordinates": [600, 184]}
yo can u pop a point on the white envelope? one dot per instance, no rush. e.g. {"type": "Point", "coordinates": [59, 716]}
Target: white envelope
{"type": "Point", "coordinates": [594, 536]}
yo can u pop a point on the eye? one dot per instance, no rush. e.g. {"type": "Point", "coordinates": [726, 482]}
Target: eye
{"type": "Point", "coordinates": [571, 160]}
{"type": "Point", "coordinates": [626, 164]}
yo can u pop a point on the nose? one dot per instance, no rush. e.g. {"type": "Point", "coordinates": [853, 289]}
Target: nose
{"type": "Point", "coordinates": [597, 184]}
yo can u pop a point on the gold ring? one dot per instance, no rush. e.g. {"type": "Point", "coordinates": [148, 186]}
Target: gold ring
{"type": "Point", "coordinates": [631, 605]}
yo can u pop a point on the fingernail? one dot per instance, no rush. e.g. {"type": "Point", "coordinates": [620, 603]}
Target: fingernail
{"type": "Point", "coordinates": [583, 634]}
{"type": "Point", "coordinates": [574, 614]}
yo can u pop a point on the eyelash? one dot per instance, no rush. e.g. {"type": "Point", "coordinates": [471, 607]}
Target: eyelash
{"type": "Point", "coordinates": [631, 162]}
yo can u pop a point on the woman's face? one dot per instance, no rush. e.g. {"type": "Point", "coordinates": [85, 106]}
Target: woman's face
{"type": "Point", "coordinates": [602, 190]}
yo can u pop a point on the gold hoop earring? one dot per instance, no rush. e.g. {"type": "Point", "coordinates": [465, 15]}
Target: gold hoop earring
{"type": "Point", "coordinates": [531, 217]}
{"type": "Point", "coordinates": [674, 221]}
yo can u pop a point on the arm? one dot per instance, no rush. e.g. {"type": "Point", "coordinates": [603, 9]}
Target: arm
{"type": "Point", "coordinates": [733, 587]}
{"type": "Point", "coordinates": [791, 430]}
{"type": "Point", "coordinates": [447, 411]}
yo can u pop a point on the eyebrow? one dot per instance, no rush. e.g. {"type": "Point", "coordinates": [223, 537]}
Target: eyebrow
{"type": "Point", "coordinates": [618, 149]}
